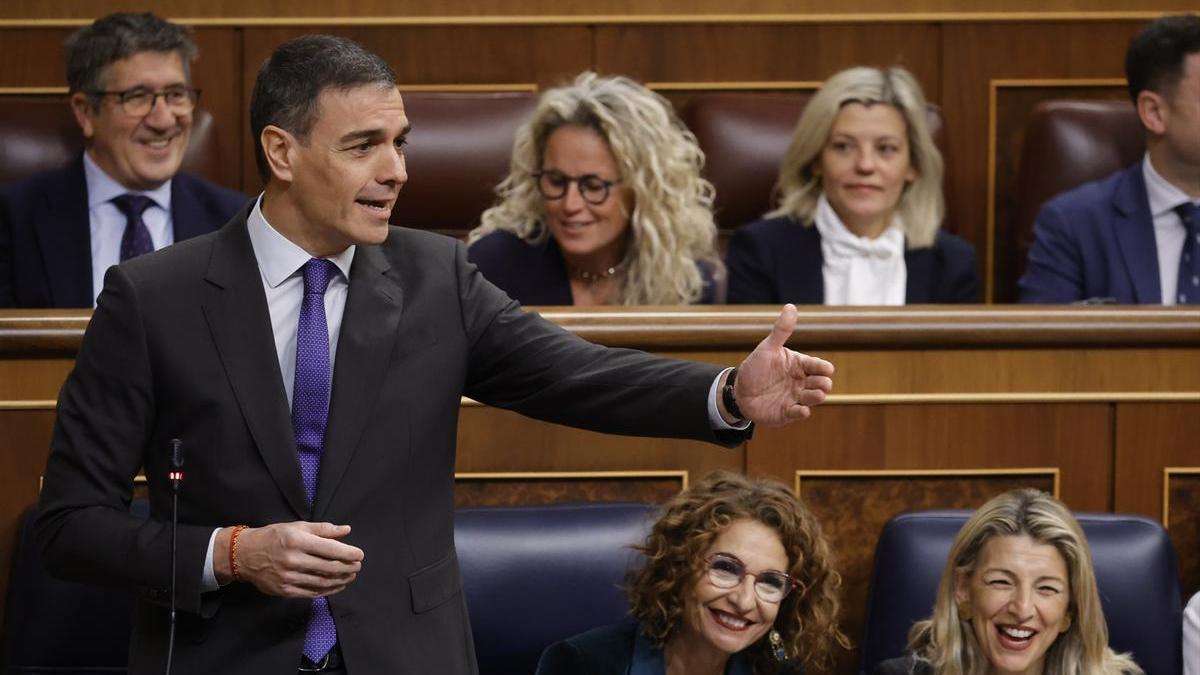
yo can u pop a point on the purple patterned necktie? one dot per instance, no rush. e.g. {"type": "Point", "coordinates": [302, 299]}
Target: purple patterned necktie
{"type": "Point", "coordinates": [310, 412]}
{"type": "Point", "coordinates": [136, 239]}
{"type": "Point", "coordinates": [1188, 288]}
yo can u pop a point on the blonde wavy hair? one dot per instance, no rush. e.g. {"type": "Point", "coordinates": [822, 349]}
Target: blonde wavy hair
{"type": "Point", "coordinates": [671, 226]}
{"type": "Point", "coordinates": [674, 551]}
{"type": "Point", "coordinates": [946, 641]}
{"type": "Point", "coordinates": [921, 206]}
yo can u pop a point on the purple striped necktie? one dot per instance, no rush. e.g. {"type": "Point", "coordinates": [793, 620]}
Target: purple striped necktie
{"type": "Point", "coordinates": [310, 413]}
{"type": "Point", "coordinates": [1188, 288]}
{"type": "Point", "coordinates": [136, 239]}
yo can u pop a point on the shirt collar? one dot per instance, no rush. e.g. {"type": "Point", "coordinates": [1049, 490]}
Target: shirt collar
{"type": "Point", "coordinates": [1162, 195]}
{"type": "Point", "coordinates": [102, 188]}
{"type": "Point", "coordinates": [280, 258]}
{"type": "Point", "coordinates": [839, 240]}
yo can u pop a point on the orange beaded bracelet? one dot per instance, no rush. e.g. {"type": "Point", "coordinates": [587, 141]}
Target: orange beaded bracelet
{"type": "Point", "coordinates": [233, 564]}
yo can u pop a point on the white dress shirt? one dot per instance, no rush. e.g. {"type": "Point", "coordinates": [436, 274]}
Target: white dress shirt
{"type": "Point", "coordinates": [108, 223]}
{"type": "Point", "coordinates": [1191, 637]}
{"type": "Point", "coordinates": [281, 263]}
{"type": "Point", "coordinates": [858, 270]}
{"type": "Point", "coordinates": [1169, 231]}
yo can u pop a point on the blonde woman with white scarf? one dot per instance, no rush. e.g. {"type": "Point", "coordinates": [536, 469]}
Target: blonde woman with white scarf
{"type": "Point", "coordinates": [860, 206]}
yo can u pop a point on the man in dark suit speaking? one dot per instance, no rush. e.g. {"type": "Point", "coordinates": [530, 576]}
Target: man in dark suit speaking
{"type": "Point", "coordinates": [131, 92]}
{"type": "Point", "coordinates": [312, 358]}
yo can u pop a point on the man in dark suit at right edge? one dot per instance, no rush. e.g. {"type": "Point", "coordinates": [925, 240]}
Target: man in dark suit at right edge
{"type": "Point", "coordinates": [129, 77]}
{"type": "Point", "coordinates": [312, 359]}
{"type": "Point", "coordinates": [1134, 237]}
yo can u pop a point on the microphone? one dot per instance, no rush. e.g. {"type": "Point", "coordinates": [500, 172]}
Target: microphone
{"type": "Point", "coordinates": [176, 476]}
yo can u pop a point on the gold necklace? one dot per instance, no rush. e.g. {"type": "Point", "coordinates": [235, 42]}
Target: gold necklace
{"type": "Point", "coordinates": [593, 277]}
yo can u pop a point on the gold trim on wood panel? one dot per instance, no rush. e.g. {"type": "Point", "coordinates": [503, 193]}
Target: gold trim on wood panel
{"type": "Point", "coordinates": [743, 85]}
{"type": "Point", "coordinates": [994, 86]}
{"type": "Point", "coordinates": [544, 475]}
{"type": "Point", "coordinates": [1169, 471]}
{"type": "Point", "coordinates": [995, 397]}
{"type": "Point", "coordinates": [470, 88]}
{"type": "Point", "coordinates": [28, 405]}
{"type": "Point", "coordinates": [34, 91]}
{"type": "Point", "coordinates": [916, 473]}
{"type": "Point", "coordinates": [622, 19]}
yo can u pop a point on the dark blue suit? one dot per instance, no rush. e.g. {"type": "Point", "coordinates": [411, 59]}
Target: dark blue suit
{"type": "Point", "coordinates": [537, 275]}
{"type": "Point", "coordinates": [1096, 241]}
{"type": "Point", "coordinates": [779, 260]}
{"type": "Point", "coordinates": [45, 233]}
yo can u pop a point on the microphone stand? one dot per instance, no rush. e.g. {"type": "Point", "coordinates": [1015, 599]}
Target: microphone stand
{"type": "Point", "coordinates": [176, 476]}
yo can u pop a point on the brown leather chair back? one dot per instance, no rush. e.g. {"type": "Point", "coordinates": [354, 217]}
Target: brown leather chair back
{"type": "Point", "coordinates": [744, 136]}
{"type": "Point", "coordinates": [38, 133]}
{"type": "Point", "coordinates": [1069, 143]}
{"type": "Point", "coordinates": [459, 150]}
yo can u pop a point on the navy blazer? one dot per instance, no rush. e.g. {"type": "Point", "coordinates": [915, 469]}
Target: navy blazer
{"type": "Point", "coordinates": [537, 275]}
{"type": "Point", "coordinates": [1095, 241]}
{"type": "Point", "coordinates": [607, 650]}
{"type": "Point", "coordinates": [45, 233]}
{"type": "Point", "coordinates": [779, 260]}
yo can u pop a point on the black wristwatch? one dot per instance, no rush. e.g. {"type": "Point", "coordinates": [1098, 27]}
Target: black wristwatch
{"type": "Point", "coordinates": [728, 397]}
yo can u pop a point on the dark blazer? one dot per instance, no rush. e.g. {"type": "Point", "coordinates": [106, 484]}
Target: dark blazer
{"type": "Point", "coordinates": [45, 233]}
{"type": "Point", "coordinates": [903, 665]}
{"type": "Point", "coordinates": [607, 650]}
{"type": "Point", "coordinates": [779, 260]}
{"type": "Point", "coordinates": [537, 275]}
{"type": "Point", "coordinates": [1096, 241]}
{"type": "Point", "coordinates": [180, 346]}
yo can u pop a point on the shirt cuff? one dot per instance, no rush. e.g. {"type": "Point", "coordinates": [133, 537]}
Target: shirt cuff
{"type": "Point", "coordinates": [208, 582]}
{"type": "Point", "coordinates": [715, 421]}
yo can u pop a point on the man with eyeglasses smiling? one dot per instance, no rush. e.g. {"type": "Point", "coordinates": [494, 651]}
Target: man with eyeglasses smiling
{"type": "Point", "coordinates": [131, 93]}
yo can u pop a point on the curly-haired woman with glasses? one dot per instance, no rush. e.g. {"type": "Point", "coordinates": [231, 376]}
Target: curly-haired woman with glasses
{"type": "Point", "coordinates": [737, 581]}
{"type": "Point", "coordinates": [604, 204]}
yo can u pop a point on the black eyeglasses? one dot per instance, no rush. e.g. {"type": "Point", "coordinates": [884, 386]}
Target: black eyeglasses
{"type": "Point", "coordinates": [139, 101]}
{"type": "Point", "coordinates": [554, 185]}
{"type": "Point", "coordinates": [726, 571]}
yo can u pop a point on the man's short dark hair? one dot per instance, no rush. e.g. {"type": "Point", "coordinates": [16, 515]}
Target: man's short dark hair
{"type": "Point", "coordinates": [1154, 60]}
{"type": "Point", "coordinates": [293, 77]}
{"type": "Point", "coordinates": [91, 49]}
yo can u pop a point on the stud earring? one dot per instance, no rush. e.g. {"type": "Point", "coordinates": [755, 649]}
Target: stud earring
{"type": "Point", "coordinates": [777, 649]}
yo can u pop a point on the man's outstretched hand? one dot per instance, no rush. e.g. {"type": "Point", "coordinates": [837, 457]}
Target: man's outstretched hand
{"type": "Point", "coordinates": [776, 385]}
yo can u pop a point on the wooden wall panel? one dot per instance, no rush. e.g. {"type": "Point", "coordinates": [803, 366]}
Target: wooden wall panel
{"type": "Point", "coordinates": [33, 57]}
{"type": "Point", "coordinates": [516, 489]}
{"type": "Point", "coordinates": [280, 9]}
{"type": "Point", "coordinates": [218, 73]}
{"type": "Point", "coordinates": [854, 509]}
{"type": "Point", "coordinates": [764, 53]}
{"type": "Point", "coordinates": [975, 54]}
{"type": "Point", "coordinates": [1182, 514]}
{"type": "Point", "coordinates": [24, 445]}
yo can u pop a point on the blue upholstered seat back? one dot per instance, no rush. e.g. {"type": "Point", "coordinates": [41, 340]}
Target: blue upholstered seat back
{"type": "Point", "coordinates": [1135, 571]}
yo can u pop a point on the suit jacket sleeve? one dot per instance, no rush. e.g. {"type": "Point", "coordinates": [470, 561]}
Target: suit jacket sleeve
{"type": "Point", "coordinates": [1054, 273]}
{"type": "Point", "coordinates": [750, 280]}
{"type": "Point", "coordinates": [519, 361]}
{"type": "Point", "coordinates": [106, 411]}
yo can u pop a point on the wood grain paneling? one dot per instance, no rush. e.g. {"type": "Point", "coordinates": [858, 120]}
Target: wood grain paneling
{"type": "Point", "coordinates": [612, 9]}
{"type": "Point", "coordinates": [516, 489]}
{"type": "Point", "coordinates": [976, 54]}
{"type": "Point", "coordinates": [1182, 515]}
{"type": "Point", "coordinates": [853, 511]}
{"type": "Point", "coordinates": [1149, 437]}
{"type": "Point", "coordinates": [24, 445]}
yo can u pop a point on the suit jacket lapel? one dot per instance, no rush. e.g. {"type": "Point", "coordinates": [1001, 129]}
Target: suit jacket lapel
{"type": "Point", "coordinates": [369, 329]}
{"type": "Point", "coordinates": [918, 268]}
{"type": "Point", "coordinates": [236, 309]}
{"type": "Point", "coordinates": [188, 216]}
{"type": "Point", "coordinates": [805, 267]}
{"type": "Point", "coordinates": [65, 238]}
{"type": "Point", "coordinates": [1133, 228]}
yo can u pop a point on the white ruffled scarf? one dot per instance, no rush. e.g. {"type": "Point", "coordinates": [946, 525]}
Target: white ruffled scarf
{"type": "Point", "coordinates": [858, 270]}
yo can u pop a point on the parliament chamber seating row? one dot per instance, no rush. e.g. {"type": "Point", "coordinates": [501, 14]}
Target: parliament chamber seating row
{"type": "Point", "coordinates": [535, 575]}
{"type": "Point", "coordinates": [463, 141]}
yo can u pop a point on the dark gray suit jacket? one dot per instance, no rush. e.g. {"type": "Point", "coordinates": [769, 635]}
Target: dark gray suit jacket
{"type": "Point", "coordinates": [180, 346]}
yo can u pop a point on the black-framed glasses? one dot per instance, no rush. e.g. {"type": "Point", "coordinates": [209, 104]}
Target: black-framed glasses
{"type": "Point", "coordinates": [726, 571]}
{"type": "Point", "coordinates": [140, 101]}
{"type": "Point", "coordinates": [554, 185]}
